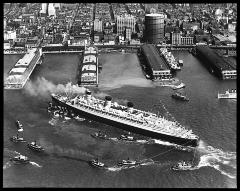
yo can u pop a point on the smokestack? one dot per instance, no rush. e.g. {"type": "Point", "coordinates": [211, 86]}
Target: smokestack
{"type": "Point", "coordinates": [107, 102]}
{"type": "Point", "coordinates": [130, 107]}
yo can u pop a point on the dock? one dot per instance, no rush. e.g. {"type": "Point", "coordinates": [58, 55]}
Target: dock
{"type": "Point", "coordinates": [20, 73]}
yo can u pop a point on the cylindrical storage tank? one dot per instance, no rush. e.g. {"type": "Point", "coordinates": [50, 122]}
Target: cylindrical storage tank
{"type": "Point", "coordinates": [154, 28]}
{"type": "Point", "coordinates": [88, 93]}
{"type": "Point", "coordinates": [108, 100]}
{"type": "Point", "coordinates": [130, 107]}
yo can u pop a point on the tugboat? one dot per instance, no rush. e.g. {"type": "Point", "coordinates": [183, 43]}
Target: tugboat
{"type": "Point", "coordinates": [17, 139]}
{"type": "Point", "coordinates": [181, 85]}
{"type": "Point", "coordinates": [182, 165]}
{"type": "Point", "coordinates": [100, 135]}
{"type": "Point", "coordinates": [33, 145]}
{"type": "Point", "coordinates": [180, 96]}
{"type": "Point", "coordinates": [127, 138]}
{"type": "Point", "coordinates": [19, 126]}
{"type": "Point", "coordinates": [20, 159]}
{"type": "Point", "coordinates": [128, 162]}
{"type": "Point", "coordinates": [96, 163]}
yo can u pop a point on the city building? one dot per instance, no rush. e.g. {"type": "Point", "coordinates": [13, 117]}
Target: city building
{"type": "Point", "coordinates": [98, 25]}
{"type": "Point", "coordinates": [159, 69]}
{"type": "Point", "coordinates": [125, 21]}
{"type": "Point", "coordinates": [175, 38]}
{"type": "Point", "coordinates": [10, 35]}
{"type": "Point", "coordinates": [154, 28]}
{"type": "Point", "coordinates": [51, 10]}
{"type": "Point", "coordinates": [186, 40]}
{"type": "Point", "coordinates": [128, 32]}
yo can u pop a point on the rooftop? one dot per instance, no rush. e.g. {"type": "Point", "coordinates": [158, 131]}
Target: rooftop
{"type": "Point", "coordinates": [153, 57]}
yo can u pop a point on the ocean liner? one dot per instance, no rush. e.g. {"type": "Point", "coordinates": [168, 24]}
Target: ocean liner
{"type": "Point", "coordinates": [127, 118]}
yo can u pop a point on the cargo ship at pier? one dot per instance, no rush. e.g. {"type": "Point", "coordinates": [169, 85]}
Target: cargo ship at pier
{"type": "Point", "coordinates": [127, 118]}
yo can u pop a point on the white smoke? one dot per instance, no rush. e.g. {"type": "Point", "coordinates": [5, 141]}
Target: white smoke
{"type": "Point", "coordinates": [42, 87]}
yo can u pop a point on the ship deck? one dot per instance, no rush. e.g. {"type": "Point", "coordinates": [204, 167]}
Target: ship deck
{"type": "Point", "coordinates": [140, 119]}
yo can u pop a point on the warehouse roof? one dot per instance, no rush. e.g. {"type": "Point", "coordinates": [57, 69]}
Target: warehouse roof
{"type": "Point", "coordinates": [153, 57]}
{"type": "Point", "coordinates": [214, 58]}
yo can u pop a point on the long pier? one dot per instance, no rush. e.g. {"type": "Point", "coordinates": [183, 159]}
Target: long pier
{"type": "Point", "coordinates": [20, 73]}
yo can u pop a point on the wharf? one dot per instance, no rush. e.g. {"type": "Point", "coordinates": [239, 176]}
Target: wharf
{"type": "Point", "coordinates": [20, 73]}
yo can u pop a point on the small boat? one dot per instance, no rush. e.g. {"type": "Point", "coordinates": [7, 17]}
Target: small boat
{"type": "Point", "coordinates": [33, 145]}
{"type": "Point", "coordinates": [128, 162]}
{"type": "Point", "coordinates": [181, 85]}
{"type": "Point", "coordinates": [182, 148]}
{"type": "Point", "coordinates": [228, 95]}
{"type": "Point", "coordinates": [79, 118]}
{"type": "Point", "coordinates": [127, 138]}
{"type": "Point", "coordinates": [20, 159]}
{"type": "Point", "coordinates": [96, 163]}
{"type": "Point", "coordinates": [99, 135]}
{"type": "Point", "coordinates": [17, 139]}
{"type": "Point", "coordinates": [19, 126]}
{"type": "Point", "coordinates": [180, 62]}
{"type": "Point", "coordinates": [180, 96]}
{"type": "Point", "coordinates": [67, 118]}
{"type": "Point", "coordinates": [147, 76]}
{"type": "Point", "coordinates": [182, 165]}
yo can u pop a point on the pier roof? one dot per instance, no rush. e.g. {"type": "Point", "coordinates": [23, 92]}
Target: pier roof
{"type": "Point", "coordinates": [214, 58]}
{"type": "Point", "coordinates": [153, 57]}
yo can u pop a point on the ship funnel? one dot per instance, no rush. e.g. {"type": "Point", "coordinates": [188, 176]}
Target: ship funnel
{"type": "Point", "coordinates": [130, 107]}
{"type": "Point", "coordinates": [107, 101]}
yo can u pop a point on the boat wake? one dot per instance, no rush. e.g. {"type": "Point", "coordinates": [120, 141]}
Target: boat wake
{"type": "Point", "coordinates": [145, 162]}
{"type": "Point", "coordinates": [53, 121]}
{"type": "Point", "coordinates": [160, 142]}
{"type": "Point", "coordinates": [224, 162]}
{"type": "Point", "coordinates": [35, 164]}
{"type": "Point", "coordinates": [7, 165]}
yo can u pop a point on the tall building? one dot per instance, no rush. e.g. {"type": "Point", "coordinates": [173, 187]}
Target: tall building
{"type": "Point", "coordinates": [44, 8]}
{"type": "Point", "coordinates": [175, 38]}
{"type": "Point", "coordinates": [128, 34]}
{"type": "Point", "coordinates": [51, 10]}
{"type": "Point", "coordinates": [98, 25]}
{"type": "Point", "coordinates": [154, 28]}
{"type": "Point", "coordinates": [125, 21]}
{"type": "Point", "coordinates": [5, 23]}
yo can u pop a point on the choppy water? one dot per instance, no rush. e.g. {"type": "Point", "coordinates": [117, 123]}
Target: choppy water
{"type": "Point", "coordinates": [69, 145]}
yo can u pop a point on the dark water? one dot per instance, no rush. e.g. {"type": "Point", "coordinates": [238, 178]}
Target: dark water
{"type": "Point", "coordinates": [69, 145]}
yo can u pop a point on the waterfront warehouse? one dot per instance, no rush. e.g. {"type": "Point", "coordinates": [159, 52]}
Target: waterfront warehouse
{"type": "Point", "coordinates": [215, 63]}
{"type": "Point", "coordinates": [89, 69]}
{"type": "Point", "coordinates": [158, 66]}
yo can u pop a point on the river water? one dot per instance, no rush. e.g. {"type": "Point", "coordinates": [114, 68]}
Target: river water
{"type": "Point", "coordinates": [68, 144]}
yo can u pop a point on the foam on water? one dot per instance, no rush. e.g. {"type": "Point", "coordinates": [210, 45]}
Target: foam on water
{"type": "Point", "coordinates": [35, 164]}
{"type": "Point", "coordinates": [7, 165]}
{"type": "Point", "coordinates": [217, 158]}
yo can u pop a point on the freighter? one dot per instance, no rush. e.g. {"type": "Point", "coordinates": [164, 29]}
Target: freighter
{"type": "Point", "coordinates": [127, 118]}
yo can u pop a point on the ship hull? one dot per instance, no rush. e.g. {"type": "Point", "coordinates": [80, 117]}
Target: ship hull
{"type": "Point", "coordinates": [152, 134]}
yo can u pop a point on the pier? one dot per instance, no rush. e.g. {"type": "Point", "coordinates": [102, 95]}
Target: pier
{"type": "Point", "coordinates": [20, 73]}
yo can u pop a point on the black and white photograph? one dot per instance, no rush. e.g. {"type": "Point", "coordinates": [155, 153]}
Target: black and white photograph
{"type": "Point", "coordinates": [119, 95]}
